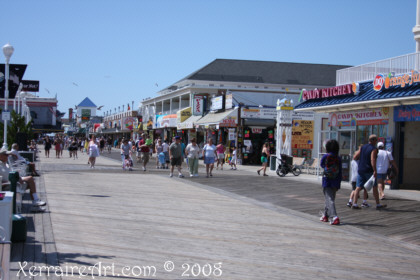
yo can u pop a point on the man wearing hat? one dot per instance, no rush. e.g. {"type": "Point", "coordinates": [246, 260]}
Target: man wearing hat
{"type": "Point", "coordinates": [383, 161]}
{"type": "Point", "coordinates": [175, 155]}
{"type": "Point", "coordinates": [29, 180]}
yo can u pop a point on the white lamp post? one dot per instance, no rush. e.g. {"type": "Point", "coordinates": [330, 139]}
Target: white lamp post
{"type": "Point", "coordinates": [8, 51]}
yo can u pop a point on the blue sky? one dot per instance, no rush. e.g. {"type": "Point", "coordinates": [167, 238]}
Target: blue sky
{"type": "Point", "coordinates": [117, 51]}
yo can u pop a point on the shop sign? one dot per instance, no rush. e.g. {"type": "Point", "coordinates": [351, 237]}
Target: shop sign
{"type": "Point", "coordinates": [183, 114]}
{"type": "Point", "coordinates": [302, 134]}
{"type": "Point", "coordinates": [381, 82]}
{"type": "Point", "coordinates": [232, 134]}
{"type": "Point", "coordinates": [229, 101]}
{"type": "Point", "coordinates": [230, 121]}
{"type": "Point", "coordinates": [366, 117]}
{"type": "Point", "coordinates": [407, 113]}
{"type": "Point", "coordinates": [198, 105]}
{"type": "Point", "coordinates": [327, 92]}
{"type": "Point", "coordinates": [256, 130]}
{"type": "Point", "coordinates": [216, 103]}
{"type": "Point", "coordinates": [165, 120]}
{"type": "Point", "coordinates": [259, 113]}
{"type": "Point", "coordinates": [86, 113]}
{"type": "Point", "coordinates": [303, 116]}
{"type": "Point", "coordinates": [129, 123]}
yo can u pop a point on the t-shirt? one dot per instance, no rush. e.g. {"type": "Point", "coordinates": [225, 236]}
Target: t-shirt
{"type": "Point", "coordinates": [176, 150]}
{"type": "Point", "coordinates": [125, 149]}
{"type": "Point", "coordinates": [165, 147]}
{"type": "Point", "coordinates": [220, 149]}
{"type": "Point", "coordinates": [209, 150]}
{"type": "Point", "coordinates": [193, 151]}
{"type": "Point", "coordinates": [382, 161]}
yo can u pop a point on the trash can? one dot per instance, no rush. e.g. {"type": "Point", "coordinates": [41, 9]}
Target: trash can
{"type": "Point", "coordinates": [273, 162]}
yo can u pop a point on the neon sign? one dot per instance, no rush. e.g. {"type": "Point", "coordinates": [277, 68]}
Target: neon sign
{"type": "Point", "coordinates": [381, 82]}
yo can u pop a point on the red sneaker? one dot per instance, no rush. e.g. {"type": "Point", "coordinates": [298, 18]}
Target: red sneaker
{"type": "Point", "coordinates": [324, 219]}
{"type": "Point", "coordinates": [335, 221]}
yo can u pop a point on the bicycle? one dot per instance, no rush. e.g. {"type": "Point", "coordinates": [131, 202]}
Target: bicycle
{"type": "Point", "coordinates": [284, 168]}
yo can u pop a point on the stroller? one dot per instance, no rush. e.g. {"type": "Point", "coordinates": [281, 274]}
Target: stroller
{"type": "Point", "coordinates": [128, 163]}
{"type": "Point", "coordinates": [162, 161]}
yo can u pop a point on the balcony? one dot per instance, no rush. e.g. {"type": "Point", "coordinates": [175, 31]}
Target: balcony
{"type": "Point", "coordinates": [397, 65]}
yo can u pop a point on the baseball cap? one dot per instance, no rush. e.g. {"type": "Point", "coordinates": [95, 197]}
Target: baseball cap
{"type": "Point", "coordinates": [177, 137]}
{"type": "Point", "coordinates": [380, 145]}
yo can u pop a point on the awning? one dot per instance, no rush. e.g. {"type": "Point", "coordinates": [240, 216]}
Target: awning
{"type": "Point", "coordinates": [228, 118]}
{"type": "Point", "coordinates": [367, 98]}
{"type": "Point", "coordinates": [188, 123]}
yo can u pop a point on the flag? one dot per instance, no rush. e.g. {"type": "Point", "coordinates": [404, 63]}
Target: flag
{"type": "Point", "coordinates": [128, 106]}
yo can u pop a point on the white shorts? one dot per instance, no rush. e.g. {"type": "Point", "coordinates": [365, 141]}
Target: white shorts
{"type": "Point", "coordinates": [221, 156]}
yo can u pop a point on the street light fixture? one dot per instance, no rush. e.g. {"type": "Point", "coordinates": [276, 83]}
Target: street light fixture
{"type": "Point", "coordinates": [8, 51]}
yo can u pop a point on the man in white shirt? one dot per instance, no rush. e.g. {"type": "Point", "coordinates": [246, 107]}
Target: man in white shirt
{"type": "Point", "coordinates": [29, 180]}
{"type": "Point", "coordinates": [16, 158]}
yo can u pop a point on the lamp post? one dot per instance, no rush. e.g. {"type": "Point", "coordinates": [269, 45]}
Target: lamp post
{"type": "Point", "coordinates": [8, 51]}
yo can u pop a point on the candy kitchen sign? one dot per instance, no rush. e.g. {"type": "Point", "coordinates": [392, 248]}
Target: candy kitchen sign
{"type": "Point", "coordinates": [384, 82]}
{"type": "Point", "coordinates": [330, 92]}
{"type": "Point", "coordinates": [366, 117]}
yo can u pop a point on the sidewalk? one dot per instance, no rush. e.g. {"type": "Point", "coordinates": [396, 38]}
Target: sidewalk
{"type": "Point", "coordinates": [227, 224]}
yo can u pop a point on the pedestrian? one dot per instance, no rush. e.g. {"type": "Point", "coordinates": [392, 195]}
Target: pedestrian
{"type": "Point", "coordinates": [57, 145]}
{"type": "Point", "coordinates": [145, 154]}
{"type": "Point", "coordinates": [233, 158]}
{"type": "Point", "coordinates": [175, 155]}
{"type": "Point", "coordinates": [125, 150]}
{"type": "Point", "coordinates": [209, 155]}
{"type": "Point", "coordinates": [265, 154]}
{"type": "Point", "coordinates": [158, 150]}
{"type": "Point", "coordinates": [165, 150]}
{"type": "Point", "coordinates": [93, 151]}
{"type": "Point", "coordinates": [192, 152]}
{"type": "Point", "coordinates": [331, 180]}
{"type": "Point", "coordinates": [220, 150]}
{"type": "Point", "coordinates": [382, 164]}
{"type": "Point", "coordinates": [102, 145]}
{"type": "Point", "coordinates": [47, 146]}
{"type": "Point", "coordinates": [353, 178]}
{"type": "Point", "coordinates": [367, 155]}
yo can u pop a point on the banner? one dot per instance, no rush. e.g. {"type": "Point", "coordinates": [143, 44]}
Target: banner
{"type": "Point", "coordinates": [183, 114]}
{"type": "Point", "coordinates": [366, 117]}
{"type": "Point", "coordinates": [166, 121]}
{"type": "Point", "coordinates": [302, 134]}
{"type": "Point", "coordinates": [198, 105]}
{"type": "Point", "coordinates": [407, 113]}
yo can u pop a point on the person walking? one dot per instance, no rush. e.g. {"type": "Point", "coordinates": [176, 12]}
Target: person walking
{"type": "Point", "coordinates": [192, 152]}
{"type": "Point", "coordinates": [175, 155]}
{"type": "Point", "coordinates": [331, 180]}
{"type": "Point", "coordinates": [265, 154]}
{"type": "Point", "coordinates": [220, 150]}
{"type": "Point", "coordinates": [233, 158]}
{"type": "Point", "coordinates": [166, 152]}
{"type": "Point", "coordinates": [145, 154]}
{"type": "Point", "coordinates": [47, 146]}
{"type": "Point", "coordinates": [57, 145]}
{"type": "Point", "coordinates": [367, 156]}
{"type": "Point", "coordinates": [209, 155]}
{"type": "Point", "coordinates": [93, 151]}
{"type": "Point", "coordinates": [353, 178]}
{"type": "Point", "coordinates": [125, 150]}
{"type": "Point", "coordinates": [158, 150]}
{"type": "Point", "coordinates": [382, 164]}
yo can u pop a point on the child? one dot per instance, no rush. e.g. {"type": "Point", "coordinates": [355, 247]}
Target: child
{"type": "Point", "coordinates": [162, 161]}
{"type": "Point", "coordinates": [233, 158]}
{"type": "Point", "coordinates": [354, 168]}
{"type": "Point", "coordinates": [331, 180]}
{"type": "Point", "coordinates": [128, 163]}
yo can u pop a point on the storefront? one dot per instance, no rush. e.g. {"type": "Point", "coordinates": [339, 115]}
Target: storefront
{"type": "Point", "coordinates": [358, 110]}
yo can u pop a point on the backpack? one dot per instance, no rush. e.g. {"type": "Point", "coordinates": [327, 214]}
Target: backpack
{"type": "Point", "coordinates": [332, 167]}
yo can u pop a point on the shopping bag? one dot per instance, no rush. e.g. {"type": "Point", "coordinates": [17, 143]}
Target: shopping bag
{"type": "Point", "coordinates": [369, 184]}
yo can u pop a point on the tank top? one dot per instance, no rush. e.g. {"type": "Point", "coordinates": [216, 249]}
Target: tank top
{"type": "Point", "coordinates": [365, 164]}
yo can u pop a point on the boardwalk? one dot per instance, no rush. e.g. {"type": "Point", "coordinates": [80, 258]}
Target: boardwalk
{"type": "Point", "coordinates": [235, 224]}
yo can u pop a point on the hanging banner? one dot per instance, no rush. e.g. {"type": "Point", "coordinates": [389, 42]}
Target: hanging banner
{"type": "Point", "coordinates": [378, 116]}
{"type": "Point", "coordinates": [302, 134]}
{"type": "Point", "coordinates": [166, 120]}
{"type": "Point", "coordinates": [198, 105]}
{"type": "Point", "coordinates": [229, 101]}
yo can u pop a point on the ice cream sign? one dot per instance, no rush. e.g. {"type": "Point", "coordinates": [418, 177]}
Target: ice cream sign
{"type": "Point", "coordinates": [380, 82]}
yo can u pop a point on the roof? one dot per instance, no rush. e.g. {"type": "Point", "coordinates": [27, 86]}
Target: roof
{"type": "Point", "coordinates": [251, 71]}
{"type": "Point", "coordinates": [367, 93]}
{"type": "Point", "coordinates": [86, 103]}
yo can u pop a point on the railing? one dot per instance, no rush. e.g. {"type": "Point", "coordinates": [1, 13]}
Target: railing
{"type": "Point", "coordinates": [367, 72]}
